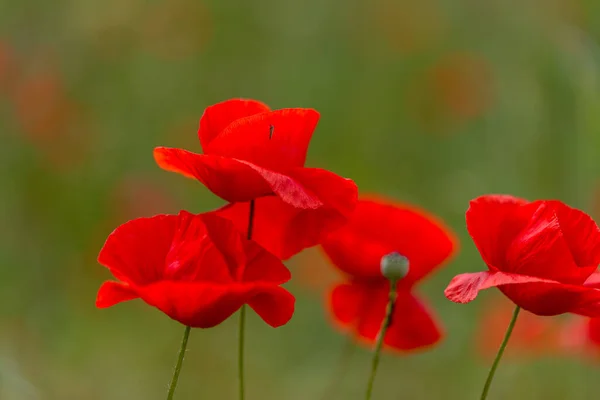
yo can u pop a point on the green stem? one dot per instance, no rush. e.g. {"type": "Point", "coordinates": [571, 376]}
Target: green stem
{"type": "Point", "coordinates": [490, 377]}
{"type": "Point", "coordinates": [173, 384]}
{"type": "Point", "coordinates": [243, 315]}
{"type": "Point", "coordinates": [387, 321]}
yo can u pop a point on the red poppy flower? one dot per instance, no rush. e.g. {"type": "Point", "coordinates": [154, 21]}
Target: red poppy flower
{"type": "Point", "coordinates": [253, 153]}
{"type": "Point", "coordinates": [376, 229]}
{"type": "Point", "coordinates": [539, 254]}
{"type": "Point", "coordinates": [197, 269]}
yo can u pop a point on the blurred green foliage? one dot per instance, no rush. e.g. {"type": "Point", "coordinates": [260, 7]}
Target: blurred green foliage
{"type": "Point", "coordinates": [432, 102]}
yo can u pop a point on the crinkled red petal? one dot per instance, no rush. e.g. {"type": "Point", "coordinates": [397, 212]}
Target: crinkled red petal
{"type": "Point", "coordinates": [537, 295]}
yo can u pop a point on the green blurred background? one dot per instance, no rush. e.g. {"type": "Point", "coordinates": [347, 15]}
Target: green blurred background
{"type": "Point", "coordinates": [429, 101]}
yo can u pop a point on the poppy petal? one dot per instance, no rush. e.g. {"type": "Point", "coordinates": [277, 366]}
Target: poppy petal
{"type": "Point", "coordinates": [540, 249]}
{"type": "Point", "coordinates": [413, 325]}
{"type": "Point", "coordinates": [378, 227]}
{"type": "Point", "coordinates": [581, 234]}
{"type": "Point", "coordinates": [274, 306]}
{"type": "Point", "coordinates": [136, 251]}
{"type": "Point", "coordinates": [537, 295]}
{"type": "Point", "coordinates": [285, 229]}
{"type": "Point", "coordinates": [372, 311]}
{"type": "Point", "coordinates": [112, 293]}
{"type": "Point", "coordinates": [262, 266]}
{"type": "Point", "coordinates": [493, 221]}
{"type": "Point", "coordinates": [345, 302]}
{"type": "Point", "coordinates": [218, 116]}
{"type": "Point", "coordinates": [276, 140]}
{"type": "Point", "coordinates": [228, 241]}
{"type": "Point", "coordinates": [229, 179]}
{"type": "Point", "coordinates": [203, 305]}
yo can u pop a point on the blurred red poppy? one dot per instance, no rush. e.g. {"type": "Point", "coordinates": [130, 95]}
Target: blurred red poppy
{"type": "Point", "coordinates": [8, 67]}
{"type": "Point", "coordinates": [580, 337]}
{"type": "Point", "coordinates": [197, 269]}
{"type": "Point", "coordinates": [42, 106]}
{"type": "Point", "coordinates": [376, 229]}
{"type": "Point", "coordinates": [253, 153]}
{"type": "Point", "coordinates": [458, 88]}
{"type": "Point", "coordinates": [532, 335]}
{"type": "Point", "coordinates": [539, 254]}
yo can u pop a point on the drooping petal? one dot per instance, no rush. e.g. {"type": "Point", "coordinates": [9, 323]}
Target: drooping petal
{"type": "Point", "coordinates": [361, 306]}
{"type": "Point", "coordinates": [540, 249]}
{"type": "Point", "coordinates": [276, 140]}
{"type": "Point", "coordinates": [112, 293]}
{"type": "Point", "coordinates": [274, 306]}
{"type": "Point", "coordinates": [262, 266]}
{"type": "Point", "coordinates": [537, 295]}
{"type": "Point", "coordinates": [413, 325]}
{"type": "Point", "coordinates": [581, 234]}
{"type": "Point", "coordinates": [345, 301]}
{"type": "Point", "coordinates": [229, 179]}
{"type": "Point", "coordinates": [136, 251]}
{"type": "Point", "coordinates": [493, 221]}
{"type": "Point", "coordinates": [204, 305]}
{"type": "Point", "coordinates": [217, 117]}
{"type": "Point", "coordinates": [372, 309]}
{"type": "Point", "coordinates": [378, 227]}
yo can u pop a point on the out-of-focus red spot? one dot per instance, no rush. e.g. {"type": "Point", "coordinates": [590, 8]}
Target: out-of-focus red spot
{"type": "Point", "coordinates": [176, 29]}
{"type": "Point", "coordinates": [313, 272]}
{"type": "Point", "coordinates": [580, 336]}
{"type": "Point", "coordinates": [455, 90]}
{"type": "Point", "coordinates": [139, 196]}
{"type": "Point", "coordinates": [532, 335]}
{"type": "Point", "coordinates": [409, 25]}
{"type": "Point", "coordinates": [49, 119]}
{"type": "Point", "coordinates": [41, 106]}
{"type": "Point", "coordinates": [8, 67]}
{"type": "Point", "coordinates": [462, 83]}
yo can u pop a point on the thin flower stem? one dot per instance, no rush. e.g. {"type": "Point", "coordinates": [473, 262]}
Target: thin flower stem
{"type": "Point", "coordinates": [341, 369]}
{"type": "Point", "coordinates": [243, 316]}
{"type": "Point", "coordinates": [387, 321]}
{"type": "Point", "coordinates": [509, 330]}
{"type": "Point", "coordinates": [173, 384]}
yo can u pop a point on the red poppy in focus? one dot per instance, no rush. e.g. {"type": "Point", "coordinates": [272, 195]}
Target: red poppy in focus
{"type": "Point", "coordinates": [197, 269]}
{"type": "Point", "coordinates": [539, 254]}
{"type": "Point", "coordinates": [376, 229]}
{"type": "Point", "coordinates": [253, 153]}
{"type": "Point", "coordinates": [532, 335]}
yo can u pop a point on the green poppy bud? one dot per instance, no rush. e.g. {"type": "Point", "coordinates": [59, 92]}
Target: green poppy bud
{"type": "Point", "coordinates": [394, 266]}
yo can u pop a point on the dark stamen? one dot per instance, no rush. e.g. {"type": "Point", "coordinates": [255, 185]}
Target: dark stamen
{"type": "Point", "coordinates": [271, 129]}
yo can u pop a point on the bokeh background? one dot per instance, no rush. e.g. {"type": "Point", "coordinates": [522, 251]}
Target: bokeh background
{"type": "Point", "coordinates": [432, 102]}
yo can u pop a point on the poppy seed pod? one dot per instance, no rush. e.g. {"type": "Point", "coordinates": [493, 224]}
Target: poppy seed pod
{"type": "Point", "coordinates": [394, 266]}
